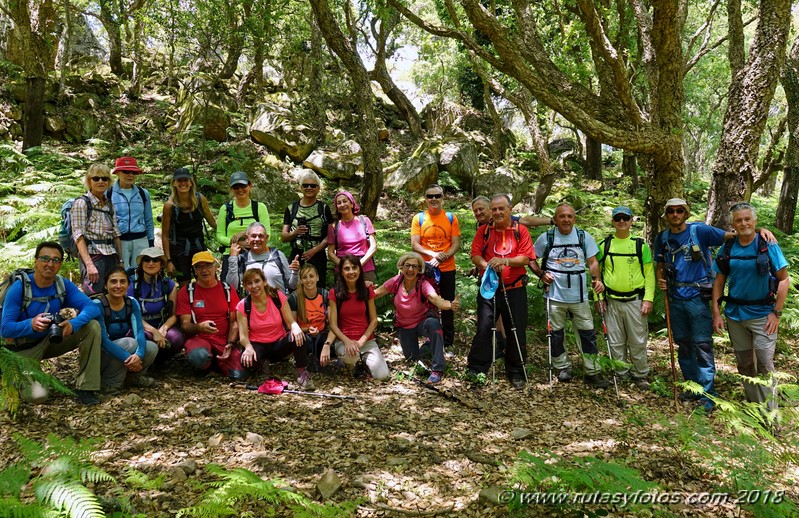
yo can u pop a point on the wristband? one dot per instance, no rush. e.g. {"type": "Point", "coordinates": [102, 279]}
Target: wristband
{"type": "Point", "coordinates": [551, 221]}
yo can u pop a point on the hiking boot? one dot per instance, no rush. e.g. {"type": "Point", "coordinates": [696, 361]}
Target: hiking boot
{"type": "Point", "coordinates": [86, 397]}
{"type": "Point", "coordinates": [142, 381]}
{"type": "Point", "coordinates": [687, 396]}
{"type": "Point", "coordinates": [518, 383]}
{"type": "Point", "coordinates": [435, 377]}
{"type": "Point", "coordinates": [641, 383]}
{"type": "Point", "coordinates": [595, 381]}
{"type": "Point", "coordinates": [304, 381]}
{"type": "Point", "coordinates": [565, 374]}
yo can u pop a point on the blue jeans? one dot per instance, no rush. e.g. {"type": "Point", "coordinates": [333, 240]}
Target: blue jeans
{"type": "Point", "coordinates": [692, 328]}
{"type": "Point", "coordinates": [409, 340]}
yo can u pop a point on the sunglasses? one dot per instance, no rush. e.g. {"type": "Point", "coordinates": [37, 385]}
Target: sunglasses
{"type": "Point", "coordinates": [48, 259]}
{"type": "Point", "coordinates": [151, 259]}
{"type": "Point", "coordinates": [101, 178]}
{"type": "Point", "coordinates": [678, 210]}
{"type": "Point", "coordinates": [309, 186]}
{"type": "Point", "coordinates": [433, 196]}
{"type": "Point", "coordinates": [239, 186]}
{"type": "Point", "coordinates": [621, 217]}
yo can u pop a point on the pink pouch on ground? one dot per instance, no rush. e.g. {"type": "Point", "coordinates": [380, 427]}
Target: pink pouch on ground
{"type": "Point", "coordinates": [272, 386]}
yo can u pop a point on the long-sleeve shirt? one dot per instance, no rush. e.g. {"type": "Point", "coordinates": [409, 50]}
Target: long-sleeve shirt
{"type": "Point", "coordinates": [134, 214]}
{"type": "Point", "coordinates": [100, 229]}
{"type": "Point", "coordinates": [119, 327]}
{"type": "Point", "coordinates": [17, 323]}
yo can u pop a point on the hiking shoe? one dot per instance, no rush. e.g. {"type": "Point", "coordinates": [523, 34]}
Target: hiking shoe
{"type": "Point", "coordinates": [304, 381]}
{"type": "Point", "coordinates": [641, 383]}
{"type": "Point", "coordinates": [142, 381]}
{"type": "Point", "coordinates": [518, 383]}
{"type": "Point", "coordinates": [435, 377]}
{"type": "Point", "coordinates": [596, 382]}
{"type": "Point", "coordinates": [86, 397]}
{"type": "Point", "coordinates": [565, 374]}
{"type": "Point", "coordinates": [687, 396]}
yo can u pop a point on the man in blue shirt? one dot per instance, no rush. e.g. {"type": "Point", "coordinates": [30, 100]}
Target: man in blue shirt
{"type": "Point", "coordinates": [134, 210]}
{"type": "Point", "coordinates": [28, 324]}
{"type": "Point", "coordinates": [758, 285]}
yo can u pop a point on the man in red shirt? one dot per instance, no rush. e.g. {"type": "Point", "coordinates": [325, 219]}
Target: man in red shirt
{"type": "Point", "coordinates": [507, 249]}
{"type": "Point", "coordinates": [207, 311]}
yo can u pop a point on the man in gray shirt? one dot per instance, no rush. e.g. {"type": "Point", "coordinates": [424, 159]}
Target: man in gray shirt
{"type": "Point", "coordinates": [279, 272]}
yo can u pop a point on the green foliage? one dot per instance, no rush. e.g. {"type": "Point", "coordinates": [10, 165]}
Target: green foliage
{"type": "Point", "coordinates": [18, 374]}
{"type": "Point", "coordinates": [138, 479]}
{"type": "Point", "coordinates": [240, 489]}
{"type": "Point", "coordinates": [56, 472]}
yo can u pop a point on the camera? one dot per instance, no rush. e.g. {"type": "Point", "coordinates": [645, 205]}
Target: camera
{"type": "Point", "coordinates": [302, 222]}
{"type": "Point", "coordinates": [55, 333]}
{"type": "Point", "coordinates": [696, 253]}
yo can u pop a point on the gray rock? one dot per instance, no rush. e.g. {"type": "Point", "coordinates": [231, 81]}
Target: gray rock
{"type": "Point", "coordinates": [418, 171]}
{"type": "Point", "coordinates": [502, 180]}
{"type": "Point", "coordinates": [276, 128]}
{"type": "Point", "coordinates": [332, 165]}
{"type": "Point", "coordinates": [460, 159]}
{"type": "Point", "coordinates": [491, 495]}
{"type": "Point", "coordinates": [54, 124]}
{"type": "Point", "coordinates": [188, 466]}
{"type": "Point", "coordinates": [328, 484]}
{"type": "Point", "coordinates": [521, 433]}
{"type": "Point", "coordinates": [131, 400]}
{"type": "Point", "coordinates": [215, 123]}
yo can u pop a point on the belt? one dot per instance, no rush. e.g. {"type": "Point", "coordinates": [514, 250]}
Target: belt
{"type": "Point", "coordinates": [521, 282]}
{"type": "Point", "coordinates": [130, 236]}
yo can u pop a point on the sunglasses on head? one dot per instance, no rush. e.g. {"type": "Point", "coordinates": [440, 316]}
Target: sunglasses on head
{"type": "Point", "coordinates": [101, 178]}
{"type": "Point", "coordinates": [309, 186]}
{"type": "Point", "coordinates": [621, 217]}
{"type": "Point", "coordinates": [677, 210]}
{"type": "Point", "coordinates": [433, 196]}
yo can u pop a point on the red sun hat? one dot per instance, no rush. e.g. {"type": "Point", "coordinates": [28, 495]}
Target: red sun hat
{"type": "Point", "coordinates": [126, 163]}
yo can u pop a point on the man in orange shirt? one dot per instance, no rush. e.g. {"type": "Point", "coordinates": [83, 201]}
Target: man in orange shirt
{"type": "Point", "coordinates": [436, 235]}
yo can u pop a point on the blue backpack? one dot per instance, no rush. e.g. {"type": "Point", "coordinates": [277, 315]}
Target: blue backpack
{"type": "Point", "coordinates": [65, 231]}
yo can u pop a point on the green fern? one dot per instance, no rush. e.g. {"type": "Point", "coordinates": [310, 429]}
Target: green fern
{"type": "Point", "coordinates": [65, 494]}
{"type": "Point", "coordinates": [12, 507]}
{"type": "Point", "coordinates": [18, 374]}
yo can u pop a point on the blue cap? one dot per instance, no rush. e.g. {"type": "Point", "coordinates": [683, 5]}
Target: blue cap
{"type": "Point", "coordinates": [489, 284]}
{"type": "Point", "coordinates": [622, 210]}
{"type": "Point", "coordinates": [239, 178]}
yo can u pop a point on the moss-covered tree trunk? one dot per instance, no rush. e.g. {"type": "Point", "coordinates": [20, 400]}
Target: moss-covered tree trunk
{"type": "Point", "coordinates": [789, 193]}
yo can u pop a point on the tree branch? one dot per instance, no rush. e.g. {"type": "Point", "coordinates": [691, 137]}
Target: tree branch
{"type": "Point", "coordinates": [705, 50]}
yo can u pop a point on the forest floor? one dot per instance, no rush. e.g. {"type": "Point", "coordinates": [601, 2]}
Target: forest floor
{"type": "Point", "coordinates": [399, 447]}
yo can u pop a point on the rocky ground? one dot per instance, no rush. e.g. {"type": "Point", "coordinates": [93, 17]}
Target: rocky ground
{"type": "Point", "coordinates": [399, 447]}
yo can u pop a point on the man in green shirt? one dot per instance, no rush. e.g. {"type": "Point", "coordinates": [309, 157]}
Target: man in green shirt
{"type": "Point", "coordinates": [629, 277]}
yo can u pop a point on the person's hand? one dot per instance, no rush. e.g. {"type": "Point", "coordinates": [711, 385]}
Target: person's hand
{"type": "Point", "coordinates": [497, 264]}
{"type": "Point", "coordinates": [294, 266]}
{"type": "Point", "coordinates": [170, 268]}
{"type": "Point", "coordinates": [301, 230]}
{"type": "Point", "coordinates": [324, 358]}
{"type": "Point", "coordinates": [598, 286]}
{"type": "Point", "coordinates": [772, 322]}
{"type": "Point", "coordinates": [434, 262]}
{"type": "Point", "coordinates": [208, 327]}
{"type": "Point", "coordinates": [92, 273]}
{"type": "Point", "coordinates": [133, 363]}
{"type": "Point", "coordinates": [296, 334]}
{"type": "Point", "coordinates": [351, 347]}
{"type": "Point", "coordinates": [441, 257]}
{"type": "Point", "coordinates": [159, 339]}
{"type": "Point", "coordinates": [662, 285]}
{"type": "Point", "coordinates": [41, 322]}
{"type": "Point", "coordinates": [718, 324]}
{"type": "Point", "coordinates": [646, 307]}
{"type": "Point", "coordinates": [769, 237]}
{"type": "Point", "coordinates": [226, 352]}
{"type": "Point", "coordinates": [547, 278]}
{"type": "Point", "coordinates": [66, 328]}
{"type": "Point", "coordinates": [248, 357]}
{"type": "Point", "coordinates": [456, 302]}
{"type": "Point", "coordinates": [313, 330]}
{"type": "Point", "coordinates": [308, 254]}
{"type": "Point", "coordinates": [235, 249]}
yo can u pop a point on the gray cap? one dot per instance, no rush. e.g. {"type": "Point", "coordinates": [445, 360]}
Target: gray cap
{"type": "Point", "coordinates": [239, 178]}
{"type": "Point", "coordinates": [181, 172]}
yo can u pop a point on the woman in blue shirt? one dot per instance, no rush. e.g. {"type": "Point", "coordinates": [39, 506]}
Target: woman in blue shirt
{"type": "Point", "coordinates": [126, 352]}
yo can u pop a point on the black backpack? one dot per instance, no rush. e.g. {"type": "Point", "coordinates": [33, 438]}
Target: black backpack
{"type": "Point", "coordinates": [230, 217]}
{"type": "Point", "coordinates": [639, 253]}
{"type": "Point", "coordinates": [107, 313]}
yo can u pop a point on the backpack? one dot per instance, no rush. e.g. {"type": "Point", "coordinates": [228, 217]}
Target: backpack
{"type": "Point", "coordinates": [325, 294]}
{"type": "Point", "coordinates": [487, 230]}
{"type": "Point", "coordinates": [22, 275]}
{"type": "Point", "coordinates": [110, 192]}
{"type": "Point", "coordinates": [65, 231]}
{"type": "Point", "coordinates": [107, 313]}
{"type": "Point", "coordinates": [248, 307]}
{"type": "Point", "coordinates": [639, 253]}
{"type": "Point", "coordinates": [273, 257]}
{"type": "Point", "coordinates": [765, 268]}
{"type": "Point", "coordinates": [450, 217]}
{"type": "Point", "coordinates": [192, 287]}
{"type": "Point", "coordinates": [230, 217]}
{"type": "Point", "coordinates": [165, 308]}
{"type": "Point", "coordinates": [693, 241]}
{"type": "Point", "coordinates": [173, 230]}
{"type": "Point", "coordinates": [295, 208]}
{"type": "Point", "coordinates": [551, 245]}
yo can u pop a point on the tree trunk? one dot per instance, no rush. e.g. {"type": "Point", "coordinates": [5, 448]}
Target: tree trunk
{"type": "Point", "coordinates": [67, 38]}
{"type": "Point", "coordinates": [232, 60]}
{"type": "Point", "coordinates": [404, 105]}
{"type": "Point", "coordinates": [315, 78]}
{"type": "Point", "coordinates": [593, 159]}
{"type": "Point", "coordinates": [663, 181]}
{"type": "Point", "coordinates": [113, 27]}
{"type": "Point", "coordinates": [138, 57]}
{"type": "Point", "coordinates": [750, 94]}
{"type": "Point", "coordinates": [786, 209]}
{"type": "Point", "coordinates": [629, 168]}
{"type": "Point", "coordinates": [34, 112]}
{"type": "Point", "coordinates": [362, 95]}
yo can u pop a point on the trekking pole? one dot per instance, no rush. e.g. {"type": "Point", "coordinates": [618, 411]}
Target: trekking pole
{"type": "Point", "coordinates": [513, 328]}
{"type": "Point", "coordinates": [494, 339]}
{"type": "Point", "coordinates": [610, 354]}
{"type": "Point", "coordinates": [671, 349]}
{"type": "Point", "coordinates": [549, 343]}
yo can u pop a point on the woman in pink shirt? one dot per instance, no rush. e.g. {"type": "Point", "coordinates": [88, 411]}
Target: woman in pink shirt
{"type": "Point", "coordinates": [416, 302]}
{"type": "Point", "coordinates": [351, 234]}
{"type": "Point", "coordinates": [261, 316]}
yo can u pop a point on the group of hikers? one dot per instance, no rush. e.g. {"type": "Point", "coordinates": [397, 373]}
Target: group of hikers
{"type": "Point", "coordinates": [140, 304]}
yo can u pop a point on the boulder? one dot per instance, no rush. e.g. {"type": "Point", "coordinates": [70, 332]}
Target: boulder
{"type": "Point", "coordinates": [54, 124]}
{"type": "Point", "coordinates": [16, 89]}
{"type": "Point", "coordinates": [215, 123]}
{"type": "Point", "coordinates": [15, 114]}
{"type": "Point", "coordinates": [460, 159]}
{"type": "Point", "coordinates": [439, 117]}
{"type": "Point", "coordinates": [328, 484]}
{"type": "Point", "coordinates": [86, 101]}
{"type": "Point", "coordinates": [81, 126]}
{"type": "Point", "coordinates": [502, 180]}
{"type": "Point", "coordinates": [275, 127]}
{"type": "Point", "coordinates": [334, 166]}
{"type": "Point", "coordinates": [418, 171]}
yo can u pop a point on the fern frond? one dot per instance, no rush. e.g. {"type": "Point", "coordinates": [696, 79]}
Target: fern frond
{"type": "Point", "coordinates": [12, 478]}
{"type": "Point", "coordinates": [70, 496]}
{"type": "Point", "coordinates": [14, 508]}
{"type": "Point", "coordinates": [94, 475]}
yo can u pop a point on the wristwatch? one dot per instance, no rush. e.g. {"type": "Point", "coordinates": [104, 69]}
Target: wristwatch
{"type": "Point", "coordinates": [777, 312]}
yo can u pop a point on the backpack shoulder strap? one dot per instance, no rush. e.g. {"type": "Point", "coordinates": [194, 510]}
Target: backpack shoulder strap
{"type": "Point", "coordinates": [450, 217]}
{"type": "Point", "coordinates": [247, 307]}
{"type": "Point", "coordinates": [254, 209]}
{"type": "Point", "coordinates": [639, 252]}
{"type": "Point", "coordinates": [420, 216]}
{"type": "Point", "coordinates": [581, 241]}
{"type": "Point", "coordinates": [190, 291]}
{"type": "Point", "coordinates": [229, 214]}
{"type": "Point", "coordinates": [275, 256]}
{"type": "Point", "coordinates": [295, 208]}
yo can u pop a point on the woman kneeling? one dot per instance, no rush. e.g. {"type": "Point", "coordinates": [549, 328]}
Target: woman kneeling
{"type": "Point", "coordinates": [261, 316]}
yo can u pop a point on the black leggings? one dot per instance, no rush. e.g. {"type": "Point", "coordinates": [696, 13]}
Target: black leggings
{"type": "Point", "coordinates": [279, 351]}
